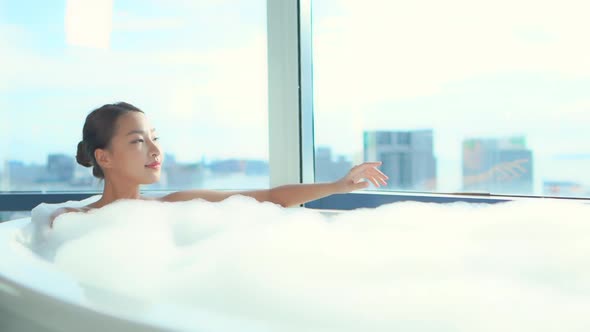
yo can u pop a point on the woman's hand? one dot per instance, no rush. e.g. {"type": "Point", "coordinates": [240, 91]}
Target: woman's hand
{"type": "Point", "coordinates": [359, 176]}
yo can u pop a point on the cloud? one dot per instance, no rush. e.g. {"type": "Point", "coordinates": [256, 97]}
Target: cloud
{"type": "Point", "coordinates": [219, 89]}
{"type": "Point", "coordinates": [128, 21]}
{"type": "Point", "coordinates": [88, 23]}
{"type": "Point", "coordinates": [461, 67]}
{"type": "Point", "coordinates": [400, 49]}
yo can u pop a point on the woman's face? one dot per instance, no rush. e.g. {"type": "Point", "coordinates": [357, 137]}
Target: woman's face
{"type": "Point", "coordinates": [134, 146]}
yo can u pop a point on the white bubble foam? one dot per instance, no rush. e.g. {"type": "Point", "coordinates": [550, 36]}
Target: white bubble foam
{"type": "Point", "coordinates": [518, 266]}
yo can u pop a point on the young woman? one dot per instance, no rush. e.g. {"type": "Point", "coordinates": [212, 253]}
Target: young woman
{"type": "Point", "coordinates": [122, 148]}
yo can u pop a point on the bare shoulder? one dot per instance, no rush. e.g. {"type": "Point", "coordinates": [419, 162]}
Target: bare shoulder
{"type": "Point", "coordinates": [65, 209]}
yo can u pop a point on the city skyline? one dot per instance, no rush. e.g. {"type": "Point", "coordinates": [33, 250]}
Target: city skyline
{"type": "Point", "coordinates": [407, 156]}
{"type": "Point", "coordinates": [502, 165]}
{"type": "Point", "coordinates": [61, 172]}
{"type": "Point", "coordinates": [498, 165]}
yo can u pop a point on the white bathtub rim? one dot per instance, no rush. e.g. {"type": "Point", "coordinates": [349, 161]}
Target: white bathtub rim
{"type": "Point", "coordinates": [29, 305]}
{"type": "Point", "coordinates": [24, 274]}
{"type": "Point", "coordinates": [36, 273]}
{"type": "Point", "coordinates": [32, 277]}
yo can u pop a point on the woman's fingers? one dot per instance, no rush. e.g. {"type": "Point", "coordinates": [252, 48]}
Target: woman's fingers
{"type": "Point", "coordinates": [367, 172]}
{"type": "Point", "coordinates": [369, 166]}
{"type": "Point", "coordinates": [375, 182]}
{"type": "Point", "coordinates": [377, 174]}
{"type": "Point", "coordinates": [375, 179]}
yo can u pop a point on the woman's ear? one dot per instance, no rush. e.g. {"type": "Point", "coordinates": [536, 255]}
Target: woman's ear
{"type": "Point", "coordinates": [103, 158]}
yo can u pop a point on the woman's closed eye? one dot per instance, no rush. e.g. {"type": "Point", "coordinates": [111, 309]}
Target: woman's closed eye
{"type": "Point", "coordinates": [141, 140]}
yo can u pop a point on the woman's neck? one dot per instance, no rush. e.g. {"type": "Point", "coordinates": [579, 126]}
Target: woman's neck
{"type": "Point", "coordinates": [115, 191]}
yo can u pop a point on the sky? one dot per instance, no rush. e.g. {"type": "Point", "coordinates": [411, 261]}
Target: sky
{"type": "Point", "coordinates": [198, 69]}
{"type": "Point", "coordinates": [189, 70]}
{"type": "Point", "coordinates": [464, 69]}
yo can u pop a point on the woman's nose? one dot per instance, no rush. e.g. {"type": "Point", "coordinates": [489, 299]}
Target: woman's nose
{"type": "Point", "coordinates": [155, 150]}
{"type": "Point", "coordinates": [156, 155]}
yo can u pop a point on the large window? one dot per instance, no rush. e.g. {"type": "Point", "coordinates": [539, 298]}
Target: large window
{"type": "Point", "coordinates": [197, 68]}
{"type": "Point", "coordinates": [455, 96]}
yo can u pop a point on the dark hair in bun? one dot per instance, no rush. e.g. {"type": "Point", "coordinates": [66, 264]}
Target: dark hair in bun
{"type": "Point", "coordinates": [98, 131]}
{"type": "Point", "coordinates": [82, 156]}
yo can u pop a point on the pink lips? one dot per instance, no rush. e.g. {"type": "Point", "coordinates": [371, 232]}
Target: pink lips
{"type": "Point", "coordinates": [153, 165]}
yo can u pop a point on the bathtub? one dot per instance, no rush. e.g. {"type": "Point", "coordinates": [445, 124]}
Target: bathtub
{"type": "Point", "coordinates": [490, 268]}
{"type": "Point", "coordinates": [36, 297]}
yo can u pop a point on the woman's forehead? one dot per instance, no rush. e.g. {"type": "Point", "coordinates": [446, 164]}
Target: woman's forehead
{"type": "Point", "coordinates": [132, 121]}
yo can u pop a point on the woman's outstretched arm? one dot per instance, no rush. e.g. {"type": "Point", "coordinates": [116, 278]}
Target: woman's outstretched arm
{"type": "Point", "coordinates": [295, 194]}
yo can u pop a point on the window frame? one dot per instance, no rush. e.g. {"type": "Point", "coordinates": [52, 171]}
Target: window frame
{"type": "Point", "coordinates": [291, 124]}
{"type": "Point", "coordinates": [372, 199]}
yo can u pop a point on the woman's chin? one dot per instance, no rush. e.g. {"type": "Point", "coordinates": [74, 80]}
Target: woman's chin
{"type": "Point", "coordinates": [152, 179]}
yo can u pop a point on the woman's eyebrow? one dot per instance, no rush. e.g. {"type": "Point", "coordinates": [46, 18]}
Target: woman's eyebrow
{"type": "Point", "coordinates": [138, 131]}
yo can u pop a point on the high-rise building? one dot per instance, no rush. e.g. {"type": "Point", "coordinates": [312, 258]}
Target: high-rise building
{"type": "Point", "coordinates": [407, 156]}
{"type": "Point", "coordinates": [326, 168]}
{"type": "Point", "coordinates": [497, 165]}
{"type": "Point", "coordinates": [60, 168]}
{"type": "Point", "coordinates": [21, 176]}
{"type": "Point", "coordinates": [177, 175]}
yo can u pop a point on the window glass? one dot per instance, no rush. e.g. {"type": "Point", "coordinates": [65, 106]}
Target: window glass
{"type": "Point", "coordinates": [455, 96]}
{"type": "Point", "coordinates": [198, 69]}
